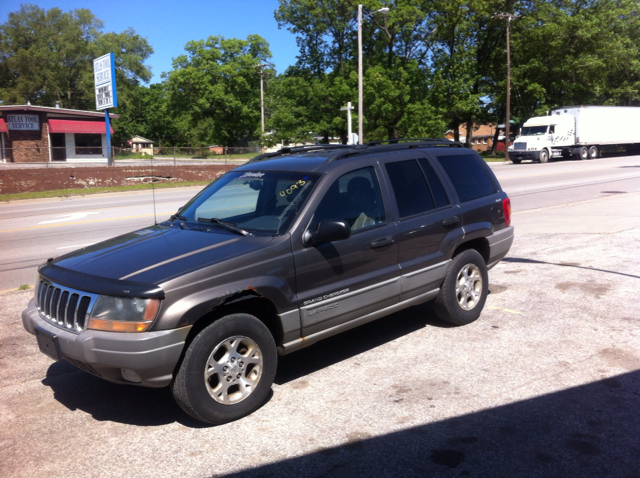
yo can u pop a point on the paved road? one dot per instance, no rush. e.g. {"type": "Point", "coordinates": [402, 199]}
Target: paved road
{"type": "Point", "coordinates": [32, 231]}
{"type": "Point", "coordinates": [545, 383]}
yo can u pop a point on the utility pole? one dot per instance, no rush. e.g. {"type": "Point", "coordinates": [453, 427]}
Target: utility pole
{"type": "Point", "coordinates": [384, 11]}
{"type": "Point", "coordinates": [360, 136]}
{"type": "Point", "coordinates": [261, 66]}
{"type": "Point", "coordinates": [508, 17]}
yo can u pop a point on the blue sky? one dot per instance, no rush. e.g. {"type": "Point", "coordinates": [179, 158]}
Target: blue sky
{"type": "Point", "coordinates": [169, 24]}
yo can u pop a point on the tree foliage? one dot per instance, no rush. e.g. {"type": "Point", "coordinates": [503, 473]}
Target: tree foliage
{"type": "Point", "coordinates": [47, 56]}
{"type": "Point", "coordinates": [214, 89]}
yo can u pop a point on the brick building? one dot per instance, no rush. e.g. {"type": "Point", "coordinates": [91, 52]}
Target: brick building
{"type": "Point", "coordinates": [38, 134]}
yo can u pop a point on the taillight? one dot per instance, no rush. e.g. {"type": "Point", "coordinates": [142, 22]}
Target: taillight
{"type": "Point", "coordinates": [506, 207]}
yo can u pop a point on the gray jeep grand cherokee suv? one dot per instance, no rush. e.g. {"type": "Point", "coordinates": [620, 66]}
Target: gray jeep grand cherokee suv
{"type": "Point", "coordinates": [286, 250]}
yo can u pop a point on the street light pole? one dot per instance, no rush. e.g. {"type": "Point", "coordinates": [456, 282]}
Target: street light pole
{"type": "Point", "coordinates": [508, 17]}
{"type": "Point", "coordinates": [360, 114]}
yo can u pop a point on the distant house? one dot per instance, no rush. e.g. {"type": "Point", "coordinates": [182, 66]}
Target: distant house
{"type": "Point", "coordinates": [141, 145]}
{"type": "Point", "coordinates": [40, 134]}
{"type": "Point", "coordinates": [481, 136]}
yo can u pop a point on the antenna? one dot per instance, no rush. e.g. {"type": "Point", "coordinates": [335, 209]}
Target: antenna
{"type": "Point", "coordinates": [153, 192]}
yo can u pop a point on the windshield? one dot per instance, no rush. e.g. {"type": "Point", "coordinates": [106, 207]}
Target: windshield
{"type": "Point", "coordinates": [534, 130]}
{"type": "Point", "coordinates": [257, 202]}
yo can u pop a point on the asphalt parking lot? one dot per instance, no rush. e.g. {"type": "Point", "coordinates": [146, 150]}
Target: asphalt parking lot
{"type": "Point", "coordinates": [545, 383]}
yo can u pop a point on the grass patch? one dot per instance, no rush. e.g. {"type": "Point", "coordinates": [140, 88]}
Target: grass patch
{"type": "Point", "coordinates": [24, 287]}
{"type": "Point", "coordinates": [85, 192]}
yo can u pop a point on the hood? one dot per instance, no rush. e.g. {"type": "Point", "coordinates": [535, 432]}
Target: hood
{"type": "Point", "coordinates": [157, 253]}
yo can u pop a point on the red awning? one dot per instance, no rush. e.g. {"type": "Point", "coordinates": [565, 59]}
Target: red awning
{"type": "Point", "coordinates": [3, 126]}
{"type": "Point", "coordinates": [77, 126]}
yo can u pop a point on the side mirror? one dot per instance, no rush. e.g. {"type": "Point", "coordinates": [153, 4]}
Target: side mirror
{"type": "Point", "coordinates": [329, 230]}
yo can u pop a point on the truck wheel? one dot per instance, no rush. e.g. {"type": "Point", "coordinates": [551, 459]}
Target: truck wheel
{"type": "Point", "coordinates": [227, 371]}
{"type": "Point", "coordinates": [584, 153]}
{"type": "Point", "coordinates": [593, 152]}
{"type": "Point", "coordinates": [544, 156]}
{"type": "Point", "coordinates": [464, 289]}
{"type": "Point", "coordinates": [516, 161]}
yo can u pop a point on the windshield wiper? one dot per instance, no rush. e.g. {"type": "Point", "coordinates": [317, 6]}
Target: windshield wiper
{"type": "Point", "coordinates": [227, 225]}
{"type": "Point", "coordinates": [177, 216]}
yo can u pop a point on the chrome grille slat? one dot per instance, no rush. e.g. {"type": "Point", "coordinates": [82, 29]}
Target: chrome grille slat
{"type": "Point", "coordinates": [63, 306]}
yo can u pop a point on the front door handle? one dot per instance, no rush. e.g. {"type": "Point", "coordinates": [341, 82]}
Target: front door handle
{"type": "Point", "coordinates": [385, 241]}
{"type": "Point", "coordinates": [450, 221]}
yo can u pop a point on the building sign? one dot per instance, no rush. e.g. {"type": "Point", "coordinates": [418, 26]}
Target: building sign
{"type": "Point", "coordinates": [23, 122]}
{"type": "Point", "coordinates": [104, 75]}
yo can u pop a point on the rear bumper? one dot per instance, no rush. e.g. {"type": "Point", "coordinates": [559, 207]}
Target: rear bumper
{"type": "Point", "coordinates": [152, 356]}
{"type": "Point", "coordinates": [499, 245]}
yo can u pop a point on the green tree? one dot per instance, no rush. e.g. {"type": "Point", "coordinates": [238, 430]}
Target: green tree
{"type": "Point", "coordinates": [395, 51]}
{"type": "Point", "coordinates": [47, 56]}
{"type": "Point", "coordinates": [214, 89]}
{"type": "Point", "coordinates": [148, 114]}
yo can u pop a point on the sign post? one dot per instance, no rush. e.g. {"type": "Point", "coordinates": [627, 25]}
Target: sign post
{"type": "Point", "coordinates": [352, 137]}
{"type": "Point", "coordinates": [104, 75]}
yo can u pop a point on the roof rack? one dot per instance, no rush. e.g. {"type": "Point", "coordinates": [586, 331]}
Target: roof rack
{"type": "Point", "coordinates": [443, 141]}
{"type": "Point", "coordinates": [400, 143]}
{"type": "Point", "coordinates": [300, 149]}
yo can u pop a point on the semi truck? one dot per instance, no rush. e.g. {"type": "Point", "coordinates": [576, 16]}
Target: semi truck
{"type": "Point", "coordinates": [581, 132]}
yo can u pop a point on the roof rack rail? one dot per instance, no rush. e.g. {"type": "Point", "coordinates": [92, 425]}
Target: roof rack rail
{"type": "Point", "coordinates": [414, 140]}
{"type": "Point", "coordinates": [299, 149]}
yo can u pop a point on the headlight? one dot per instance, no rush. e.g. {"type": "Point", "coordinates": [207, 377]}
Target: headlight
{"type": "Point", "coordinates": [120, 314]}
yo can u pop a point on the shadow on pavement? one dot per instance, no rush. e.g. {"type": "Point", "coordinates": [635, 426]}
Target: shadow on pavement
{"type": "Point", "coordinates": [106, 401]}
{"type": "Point", "coordinates": [587, 431]}
{"type": "Point", "coordinates": [139, 406]}
{"type": "Point", "coordinates": [533, 261]}
{"type": "Point", "coordinates": [355, 341]}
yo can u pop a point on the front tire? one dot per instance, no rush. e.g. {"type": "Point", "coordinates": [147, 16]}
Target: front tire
{"type": "Point", "coordinates": [227, 371]}
{"type": "Point", "coordinates": [464, 289]}
{"type": "Point", "coordinates": [544, 156]}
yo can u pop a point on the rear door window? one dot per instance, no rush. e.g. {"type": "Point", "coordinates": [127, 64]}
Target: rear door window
{"type": "Point", "coordinates": [469, 177]}
{"type": "Point", "coordinates": [410, 188]}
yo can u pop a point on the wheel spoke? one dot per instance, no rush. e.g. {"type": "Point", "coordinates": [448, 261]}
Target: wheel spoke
{"type": "Point", "coordinates": [214, 367]}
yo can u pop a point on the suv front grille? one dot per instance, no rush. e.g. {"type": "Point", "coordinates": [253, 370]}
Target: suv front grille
{"type": "Point", "coordinates": [64, 307]}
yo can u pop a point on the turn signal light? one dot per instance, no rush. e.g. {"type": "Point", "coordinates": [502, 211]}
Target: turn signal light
{"type": "Point", "coordinates": [506, 207]}
{"type": "Point", "coordinates": [118, 326]}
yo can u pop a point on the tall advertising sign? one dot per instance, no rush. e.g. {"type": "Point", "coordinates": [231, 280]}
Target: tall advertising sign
{"type": "Point", "coordinates": [104, 76]}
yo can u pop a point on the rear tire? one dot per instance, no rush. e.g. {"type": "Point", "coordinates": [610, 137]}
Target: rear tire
{"type": "Point", "coordinates": [464, 289]}
{"type": "Point", "coordinates": [584, 153]}
{"type": "Point", "coordinates": [227, 371]}
{"type": "Point", "coordinates": [593, 152]}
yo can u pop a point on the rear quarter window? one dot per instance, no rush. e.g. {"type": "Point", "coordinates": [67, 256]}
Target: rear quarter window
{"type": "Point", "coordinates": [469, 177]}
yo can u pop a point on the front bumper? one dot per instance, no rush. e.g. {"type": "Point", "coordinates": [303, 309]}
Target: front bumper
{"type": "Point", "coordinates": [152, 356]}
{"type": "Point", "coordinates": [522, 155]}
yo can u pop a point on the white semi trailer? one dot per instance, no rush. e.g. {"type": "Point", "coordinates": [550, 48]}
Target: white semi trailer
{"type": "Point", "coordinates": [577, 131]}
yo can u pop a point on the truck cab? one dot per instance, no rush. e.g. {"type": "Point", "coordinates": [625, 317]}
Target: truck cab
{"type": "Point", "coordinates": [542, 138]}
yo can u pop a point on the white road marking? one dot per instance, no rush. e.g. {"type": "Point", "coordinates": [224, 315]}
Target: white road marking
{"type": "Point", "coordinates": [78, 246]}
{"type": "Point", "coordinates": [69, 217]}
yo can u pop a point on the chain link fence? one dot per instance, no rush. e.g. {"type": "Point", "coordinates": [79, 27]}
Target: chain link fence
{"type": "Point", "coordinates": [51, 157]}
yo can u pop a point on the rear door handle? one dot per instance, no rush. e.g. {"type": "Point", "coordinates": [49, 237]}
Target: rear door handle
{"type": "Point", "coordinates": [385, 241]}
{"type": "Point", "coordinates": [450, 221]}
